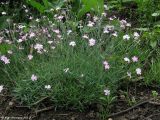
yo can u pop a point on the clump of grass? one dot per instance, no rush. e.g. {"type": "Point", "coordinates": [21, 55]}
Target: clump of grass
{"type": "Point", "coordinates": [74, 63]}
{"type": "Point", "coordinates": [153, 75]}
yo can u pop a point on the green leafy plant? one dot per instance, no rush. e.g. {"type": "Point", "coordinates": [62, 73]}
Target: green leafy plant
{"type": "Point", "coordinates": [154, 94]}
{"type": "Point", "coordinates": [40, 7]}
{"type": "Point", "coordinates": [89, 6]}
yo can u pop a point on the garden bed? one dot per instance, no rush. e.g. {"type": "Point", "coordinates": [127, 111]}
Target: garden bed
{"type": "Point", "coordinates": [96, 62]}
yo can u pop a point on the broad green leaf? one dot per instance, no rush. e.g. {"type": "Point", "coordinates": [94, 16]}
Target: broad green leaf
{"type": "Point", "coordinates": [46, 3]}
{"type": "Point", "coordinates": [4, 48]}
{"type": "Point", "coordinates": [142, 29]}
{"type": "Point", "coordinates": [153, 44]}
{"type": "Point", "coordinates": [91, 5]}
{"type": "Point", "coordinates": [37, 5]}
{"type": "Point", "coordinates": [3, 23]}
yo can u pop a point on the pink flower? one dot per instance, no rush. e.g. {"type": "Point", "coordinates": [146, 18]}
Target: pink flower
{"type": "Point", "coordinates": [60, 17]}
{"type": "Point", "coordinates": [106, 65]}
{"type": "Point", "coordinates": [5, 59]}
{"type": "Point", "coordinates": [107, 92]}
{"type": "Point", "coordinates": [34, 77]}
{"type": "Point", "coordinates": [135, 59]}
{"type": "Point", "coordinates": [38, 47]}
{"type": "Point", "coordinates": [92, 42]}
{"type": "Point", "coordinates": [56, 31]}
{"type": "Point", "coordinates": [32, 35]}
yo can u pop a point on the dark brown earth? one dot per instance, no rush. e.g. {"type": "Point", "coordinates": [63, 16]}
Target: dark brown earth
{"type": "Point", "coordinates": [138, 102]}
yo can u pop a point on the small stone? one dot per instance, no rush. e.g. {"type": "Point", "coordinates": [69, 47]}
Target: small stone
{"type": "Point", "coordinates": [110, 119]}
{"type": "Point", "coordinates": [11, 103]}
{"type": "Point", "coordinates": [122, 97]}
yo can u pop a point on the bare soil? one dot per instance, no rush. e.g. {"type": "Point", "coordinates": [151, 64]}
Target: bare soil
{"type": "Point", "coordinates": [137, 103]}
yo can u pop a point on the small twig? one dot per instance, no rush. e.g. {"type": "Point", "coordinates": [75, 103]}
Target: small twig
{"type": "Point", "coordinates": [2, 95]}
{"type": "Point", "coordinates": [45, 109]}
{"type": "Point", "coordinates": [124, 111]}
{"type": "Point", "coordinates": [152, 116]}
{"type": "Point", "coordinates": [14, 118]}
{"type": "Point", "coordinates": [63, 114]}
{"type": "Point", "coordinates": [39, 101]}
{"type": "Point", "coordinates": [23, 107]}
{"type": "Point", "coordinates": [154, 103]}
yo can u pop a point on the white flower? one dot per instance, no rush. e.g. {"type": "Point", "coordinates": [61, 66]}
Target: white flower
{"type": "Point", "coordinates": [106, 7]}
{"type": "Point", "coordinates": [138, 71]}
{"type": "Point", "coordinates": [111, 18]}
{"type": "Point", "coordinates": [85, 36]}
{"type": "Point", "coordinates": [126, 59]}
{"type": "Point", "coordinates": [90, 24]}
{"type": "Point", "coordinates": [37, 20]}
{"type": "Point", "coordinates": [26, 10]}
{"type": "Point", "coordinates": [50, 42]}
{"type": "Point", "coordinates": [126, 37]}
{"type": "Point", "coordinates": [69, 31]}
{"type": "Point", "coordinates": [30, 57]}
{"type": "Point", "coordinates": [115, 34]}
{"type": "Point", "coordinates": [107, 92]}
{"type": "Point", "coordinates": [66, 70]}
{"type": "Point", "coordinates": [72, 43]}
{"type": "Point", "coordinates": [21, 26]}
{"type": "Point", "coordinates": [53, 47]}
{"type": "Point", "coordinates": [4, 13]}
{"type": "Point", "coordinates": [92, 42]}
{"type": "Point", "coordinates": [95, 18]}
{"type": "Point", "coordinates": [155, 14]}
{"type": "Point", "coordinates": [1, 88]}
{"type": "Point", "coordinates": [30, 17]}
{"type": "Point", "coordinates": [136, 35]}
{"type": "Point", "coordinates": [104, 14]}
{"type": "Point", "coordinates": [19, 40]}
{"type": "Point", "coordinates": [82, 75]}
{"type": "Point", "coordinates": [128, 24]}
{"type": "Point", "coordinates": [10, 52]}
{"type": "Point", "coordinates": [48, 87]}
{"type": "Point", "coordinates": [129, 74]}
{"type": "Point", "coordinates": [108, 28]}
